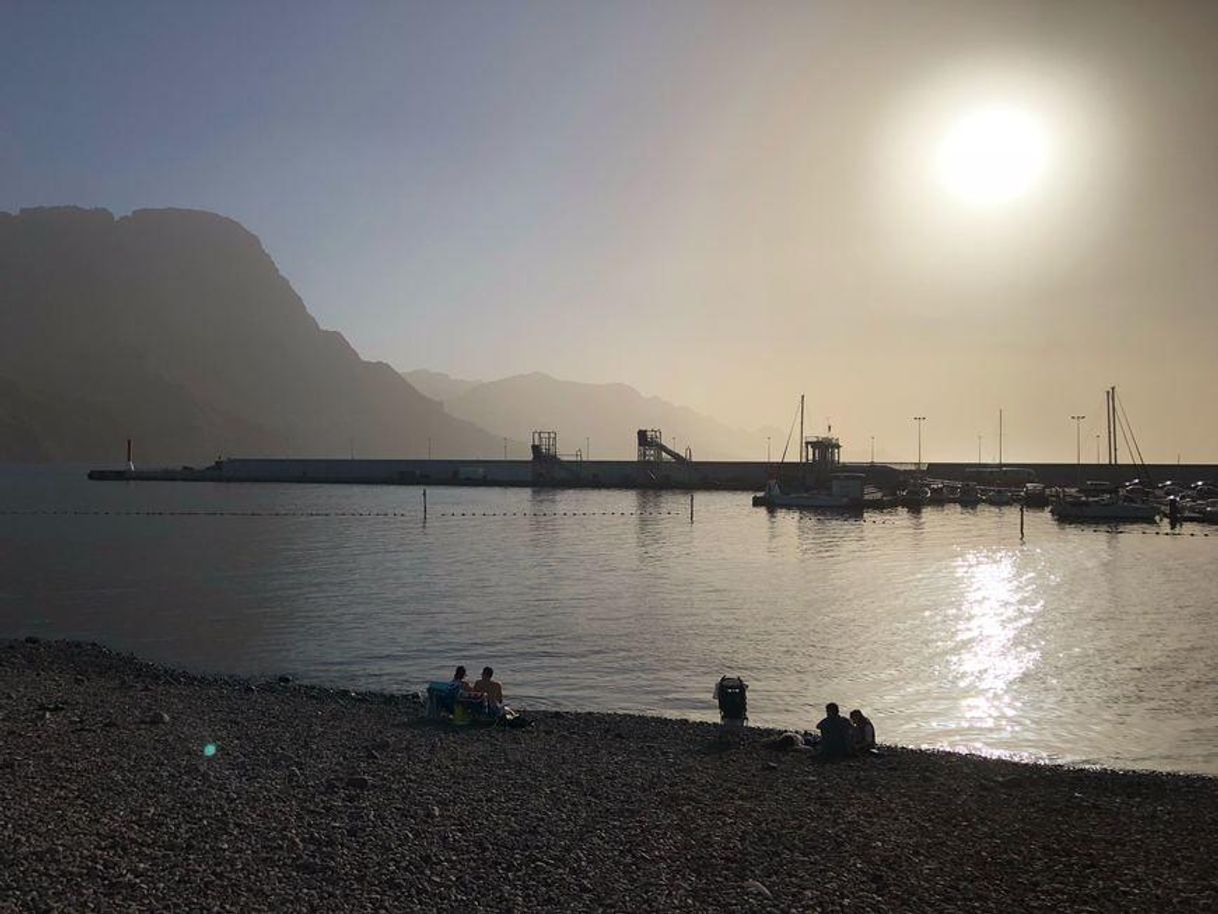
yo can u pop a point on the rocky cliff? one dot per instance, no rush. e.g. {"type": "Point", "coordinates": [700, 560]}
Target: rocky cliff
{"type": "Point", "coordinates": [175, 328]}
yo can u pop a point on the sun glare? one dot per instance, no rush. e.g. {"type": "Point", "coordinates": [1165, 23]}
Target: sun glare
{"type": "Point", "coordinates": [992, 156]}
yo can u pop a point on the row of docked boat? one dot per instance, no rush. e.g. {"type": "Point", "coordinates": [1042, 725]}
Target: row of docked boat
{"type": "Point", "coordinates": [1092, 502]}
{"type": "Point", "coordinates": [1101, 502]}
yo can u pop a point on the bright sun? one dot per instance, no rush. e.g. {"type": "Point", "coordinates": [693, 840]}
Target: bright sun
{"type": "Point", "coordinates": [993, 155]}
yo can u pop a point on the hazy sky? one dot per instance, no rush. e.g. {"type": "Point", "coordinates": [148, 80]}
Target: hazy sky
{"type": "Point", "coordinates": [937, 209]}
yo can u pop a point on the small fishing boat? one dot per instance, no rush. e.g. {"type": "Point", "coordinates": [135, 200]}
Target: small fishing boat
{"type": "Point", "coordinates": [969, 496]}
{"type": "Point", "coordinates": [914, 497]}
{"type": "Point", "coordinates": [846, 494]}
{"type": "Point", "coordinates": [1035, 495]}
{"type": "Point", "coordinates": [998, 497]}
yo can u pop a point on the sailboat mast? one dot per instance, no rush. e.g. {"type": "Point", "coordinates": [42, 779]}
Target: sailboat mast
{"type": "Point", "coordinates": [1108, 423]}
{"type": "Point", "coordinates": [1116, 457]}
{"type": "Point", "coordinates": [801, 428]}
{"type": "Point", "coordinates": [999, 439]}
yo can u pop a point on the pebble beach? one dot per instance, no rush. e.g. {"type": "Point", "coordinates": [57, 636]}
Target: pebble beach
{"type": "Point", "coordinates": [126, 786]}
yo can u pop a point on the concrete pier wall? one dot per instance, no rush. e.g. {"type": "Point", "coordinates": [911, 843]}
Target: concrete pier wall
{"type": "Point", "coordinates": [629, 474]}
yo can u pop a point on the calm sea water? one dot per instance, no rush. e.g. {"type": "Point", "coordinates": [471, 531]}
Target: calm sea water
{"type": "Point", "coordinates": [1077, 644]}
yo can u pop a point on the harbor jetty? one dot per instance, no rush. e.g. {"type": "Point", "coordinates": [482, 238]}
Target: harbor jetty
{"type": "Point", "coordinates": [129, 786]}
{"type": "Point", "coordinates": [621, 474]}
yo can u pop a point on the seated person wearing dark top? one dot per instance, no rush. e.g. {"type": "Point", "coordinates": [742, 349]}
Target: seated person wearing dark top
{"type": "Point", "coordinates": [864, 732]}
{"type": "Point", "coordinates": [459, 682]}
{"type": "Point", "coordinates": [836, 734]}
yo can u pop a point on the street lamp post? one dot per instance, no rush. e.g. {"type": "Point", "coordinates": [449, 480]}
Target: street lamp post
{"type": "Point", "coordinates": [978, 450]}
{"type": "Point", "coordinates": [1097, 448]}
{"type": "Point", "coordinates": [767, 448]}
{"type": "Point", "coordinates": [919, 420]}
{"type": "Point", "coordinates": [1078, 444]}
{"type": "Point", "coordinates": [873, 450]}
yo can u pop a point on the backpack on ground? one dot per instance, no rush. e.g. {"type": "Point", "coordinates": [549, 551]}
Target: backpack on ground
{"type": "Point", "coordinates": [733, 700]}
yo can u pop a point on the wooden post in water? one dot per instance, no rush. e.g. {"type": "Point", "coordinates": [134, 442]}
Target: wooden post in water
{"type": "Point", "coordinates": [1021, 522]}
{"type": "Point", "coordinates": [424, 506]}
{"type": "Point", "coordinates": [691, 507]}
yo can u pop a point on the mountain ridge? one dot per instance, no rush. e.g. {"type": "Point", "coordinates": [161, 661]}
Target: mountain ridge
{"type": "Point", "coordinates": [175, 327]}
{"type": "Point", "coordinates": [598, 417]}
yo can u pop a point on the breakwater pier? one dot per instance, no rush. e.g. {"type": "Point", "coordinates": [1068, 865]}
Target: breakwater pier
{"type": "Point", "coordinates": [624, 474]}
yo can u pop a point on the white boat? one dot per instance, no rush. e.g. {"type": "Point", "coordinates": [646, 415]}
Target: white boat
{"type": "Point", "coordinates": [1104, 510]}
{"type": "Point", "coordinates": [847, 492]}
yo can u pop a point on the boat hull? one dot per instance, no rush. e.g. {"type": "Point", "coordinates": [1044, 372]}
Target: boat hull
{"type": "Point", "coordinates": [808, 500]}
{"type": "Point", "coordinates": [1105, 513]}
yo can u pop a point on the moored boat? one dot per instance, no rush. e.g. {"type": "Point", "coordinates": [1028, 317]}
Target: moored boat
{"type": "Point", "coordinates": [1107, 510]}
{"type": "Point", "coordinates": [969, 496]}
{"type": "Point", "coordinates": [998, 497]}
{"type": "Point", "coordinates": [846, 493]}
{"type": "Point", "coordinates": [1035, 495]}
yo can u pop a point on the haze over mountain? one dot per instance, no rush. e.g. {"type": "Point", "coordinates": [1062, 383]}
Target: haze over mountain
{"type": "Point", "coordinates": [175, 328]}
{"type": "Point", "coordinates": [436, 384]}
{"type": "Point", "coordinates": [600, 419]}
{"type": "Point", "coordinates": [935, 209]}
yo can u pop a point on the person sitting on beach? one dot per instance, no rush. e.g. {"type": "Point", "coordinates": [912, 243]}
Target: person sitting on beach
{"type": "Point", "coordinates": [864, 732]}
{"type": "Point", "coordinates": [489, 689]}
{"type": "Point", "coordinates": [460, 681]}
{"type": "Point", "coordinates": [836, 734]}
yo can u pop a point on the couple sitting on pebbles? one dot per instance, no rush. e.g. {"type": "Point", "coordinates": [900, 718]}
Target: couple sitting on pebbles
{"type": "Point", "coordinates": [839, 737]}
{"type": "Point", "coordinates": [463, 703]}
{"type": "Point", "coordinates": [486, 689]}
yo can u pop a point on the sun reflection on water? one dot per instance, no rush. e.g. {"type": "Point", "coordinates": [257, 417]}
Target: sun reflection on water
{"type": "Point", "coordinates": [990, 657]}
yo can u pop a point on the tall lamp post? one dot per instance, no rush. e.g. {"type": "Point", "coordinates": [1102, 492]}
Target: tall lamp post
{"type": "Point", "coordinates": [978, 450]}
{"type": "Point", "coordinates": [767, 448]}
{"type": "Point", "coordinates": [873, 450]}
{"type": "Point", "coordinates": [919, 420]}
{"type": "Point", "coordinates": [1078, 444]}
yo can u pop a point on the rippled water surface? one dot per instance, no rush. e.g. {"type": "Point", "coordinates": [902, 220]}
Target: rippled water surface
{"type": "Point", "coordinates": [1077, 644]}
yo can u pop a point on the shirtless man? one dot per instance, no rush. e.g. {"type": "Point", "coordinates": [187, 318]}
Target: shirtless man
{"type": "Point", "coordinates": [491, 689]}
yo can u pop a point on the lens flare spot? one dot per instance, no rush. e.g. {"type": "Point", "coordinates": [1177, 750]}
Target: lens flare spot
{"type": "Point", "coordinates": [209, 750]}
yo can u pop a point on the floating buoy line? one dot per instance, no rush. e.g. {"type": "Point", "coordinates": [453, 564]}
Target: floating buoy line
{"type": "Point", "coordinates": [79, 513]}
{"type": "Point", "coordinates": [887, 521]}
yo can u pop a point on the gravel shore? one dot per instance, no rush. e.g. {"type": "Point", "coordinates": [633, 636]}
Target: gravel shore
{"type": "Point", "coordinates": [317, 799]}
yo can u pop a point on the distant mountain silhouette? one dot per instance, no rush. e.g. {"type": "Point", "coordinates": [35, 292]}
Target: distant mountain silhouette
{"type": "Point", "coordinates": [607, 415]}
{"type": "Point", "coordinates": [436, 384]}
{"type": "Point", "coordinates": [175, 328]}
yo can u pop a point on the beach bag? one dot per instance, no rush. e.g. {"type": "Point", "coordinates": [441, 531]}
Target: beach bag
{"type": "Point", "coordinates": [733, 702]}
{"type": "Point", "coordinates": [513, 720]}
